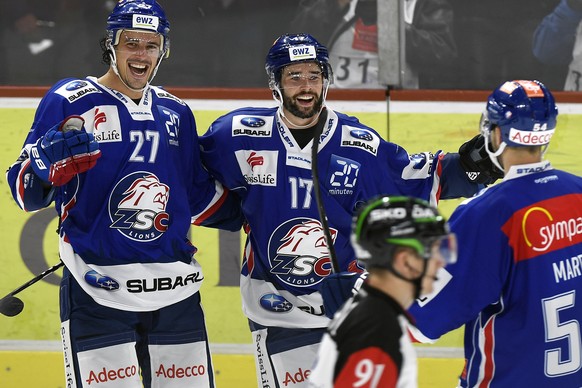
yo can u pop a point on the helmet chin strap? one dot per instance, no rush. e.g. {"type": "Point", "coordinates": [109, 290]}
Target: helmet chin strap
{"type": "Point", "coordinates": [116, 70]}
{"type": "Point", "coordinates": [493, 155]}
{"type": "Point", "coordinates": [416, 282]}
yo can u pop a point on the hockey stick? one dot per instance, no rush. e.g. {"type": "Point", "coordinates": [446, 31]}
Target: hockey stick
{"type": "Point", "coordinates": [320, 208]}
{"type": "Point", "coordinates": [11, 305]}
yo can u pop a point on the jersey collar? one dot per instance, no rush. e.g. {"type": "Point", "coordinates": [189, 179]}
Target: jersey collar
{"type": "Point", "coordinates": [526, 169]}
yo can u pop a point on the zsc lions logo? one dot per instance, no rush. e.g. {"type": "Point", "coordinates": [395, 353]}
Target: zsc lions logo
{"type": "Point", "coordinates": [74, 85]}
{"type": "Point", "coordinates": [137, 206]}
{"type": "Point", "coordinates": [298, 252]}
{"type": "Point", "coordinates": [95, 279]}
{"type": "Point", "coordinates": [275, 303]}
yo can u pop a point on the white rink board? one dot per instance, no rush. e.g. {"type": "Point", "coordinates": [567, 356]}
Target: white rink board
{"type": "Point", "coordinates": [342, 106]}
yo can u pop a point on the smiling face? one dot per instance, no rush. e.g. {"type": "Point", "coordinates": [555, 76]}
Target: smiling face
{"type": "Point", "coordinates": [137, 55]}
{"type": "Point", "coordinates": [302, 89]}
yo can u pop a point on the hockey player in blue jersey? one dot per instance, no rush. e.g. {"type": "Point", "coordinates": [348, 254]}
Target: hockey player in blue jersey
{"type": "Point", "coordinates": [120, 159]}
{"type": "Point", "coordinates": [517, 283]}
{"type": "Point", "coordinates": [264, 155]}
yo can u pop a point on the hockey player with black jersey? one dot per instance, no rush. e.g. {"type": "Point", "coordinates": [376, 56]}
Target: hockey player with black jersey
{"type": "Point", "coordinates": [264, 155]}
{"type": "Point", "coordinates": [517, 283]}
{"type": "Point", "coordinates": [120, 159]}
{"type": "Point", "coordinates": [402, 242]}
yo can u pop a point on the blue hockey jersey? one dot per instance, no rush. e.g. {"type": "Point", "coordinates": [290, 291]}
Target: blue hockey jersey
{"type": "Point", "coordinates": [517, 283]}
{"type": "Point", "coordinates": [124, 223]}
{"type": "Point", "coordinates": [252, 152]}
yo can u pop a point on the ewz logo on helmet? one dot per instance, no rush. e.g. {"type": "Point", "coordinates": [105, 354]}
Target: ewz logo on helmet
{"type": "Point", "coordinates": [147, 22]}
{"type": "Point", "coordinates": [300, 53]}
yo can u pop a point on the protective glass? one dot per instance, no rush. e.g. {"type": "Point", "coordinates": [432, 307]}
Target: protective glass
{"type": "Point", "coordinates": [444, 248]}
{"type": "Point", "coordinates": [140, 43]}
{"type": "Point", "coordinates": [295, 76]}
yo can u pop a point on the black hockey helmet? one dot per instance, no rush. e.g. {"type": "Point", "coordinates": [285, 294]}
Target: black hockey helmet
{"type": "Point", "coordinates": [385, 223]}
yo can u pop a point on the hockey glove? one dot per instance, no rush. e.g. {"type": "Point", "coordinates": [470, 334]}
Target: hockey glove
{"type": "Point", "coordinates": [64, 151]}
{"type": "Point", "coordinates": [476, 163]}
{"type": "Point", "coordinates": [339, 287]}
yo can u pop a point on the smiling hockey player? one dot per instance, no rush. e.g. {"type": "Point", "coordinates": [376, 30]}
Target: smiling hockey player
{"type": "Point", "coordinates": [264, 155]}
{"type": "Point", "coordinates": [120, 160]}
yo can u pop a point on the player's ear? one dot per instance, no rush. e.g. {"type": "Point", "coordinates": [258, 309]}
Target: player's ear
{"type": "Point", "coordinates": [496, 136]}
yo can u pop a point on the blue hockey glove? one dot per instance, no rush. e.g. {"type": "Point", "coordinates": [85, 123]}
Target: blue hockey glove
{"type": "Point", "coordinates": [64, 151]}
{"type": "Point", "coordinates": [339, 287]}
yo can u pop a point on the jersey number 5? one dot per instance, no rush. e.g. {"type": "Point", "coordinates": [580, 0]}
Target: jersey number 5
{"type": "Point", "coordinates": [567, 359]}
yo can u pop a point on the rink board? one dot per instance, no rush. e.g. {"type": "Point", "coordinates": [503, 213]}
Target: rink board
{"type": "Point", "coordinates": [415, 126]}
{"type": "Point", "coordinates": [45, 369]}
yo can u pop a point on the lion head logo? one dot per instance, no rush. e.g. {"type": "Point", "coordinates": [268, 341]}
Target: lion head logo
{"type": "Point", "coordinates": [298, 252]}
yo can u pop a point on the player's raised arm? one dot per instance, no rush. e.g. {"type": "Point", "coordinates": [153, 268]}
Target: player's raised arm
{"type": "Point", "coordinates": [54, 159]}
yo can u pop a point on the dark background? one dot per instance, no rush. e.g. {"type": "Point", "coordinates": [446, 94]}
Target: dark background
{"type": "Point", "coordinates": [223, 43]}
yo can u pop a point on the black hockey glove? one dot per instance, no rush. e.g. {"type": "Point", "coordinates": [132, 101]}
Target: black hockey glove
{"type": "Point", "coordinates": [476, 163]}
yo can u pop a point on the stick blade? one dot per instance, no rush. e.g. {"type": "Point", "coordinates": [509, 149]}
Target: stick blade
{"type": "Point", "coordinates": [11, 306]}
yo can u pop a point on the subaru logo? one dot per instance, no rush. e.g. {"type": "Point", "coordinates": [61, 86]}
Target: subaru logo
{"type": "Point", "coordinates": [361, 134]}
{"type": "Point", "coordinates": [275, 303]}
{"type": "Point", "coordinates": [76, 85]}
{"type": "Point", "coordinates": [254, 122]}
{"type": "Point", "coordinates": [95, 279]}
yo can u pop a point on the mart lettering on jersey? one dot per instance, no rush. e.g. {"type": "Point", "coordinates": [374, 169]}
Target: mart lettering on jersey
{"type": "Point", "coordinates": [103, 122]}
{"type": "Point", "coordinates": [568, 269]}
{"type": "Point", "coordinates": [253, 126]}
{"type": "Point", "coordinates": [360, 138]}
{"type": "Point", "coordinates": [137, 206]}
{"type": "Point", "coordinates": [545, 227]}
{"type": "Point", "coordinates": [258, 167]}
{"type": "Point", "coordinates": [76, 89]}
{"type": "Point", "coordinates": [298, 252]}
